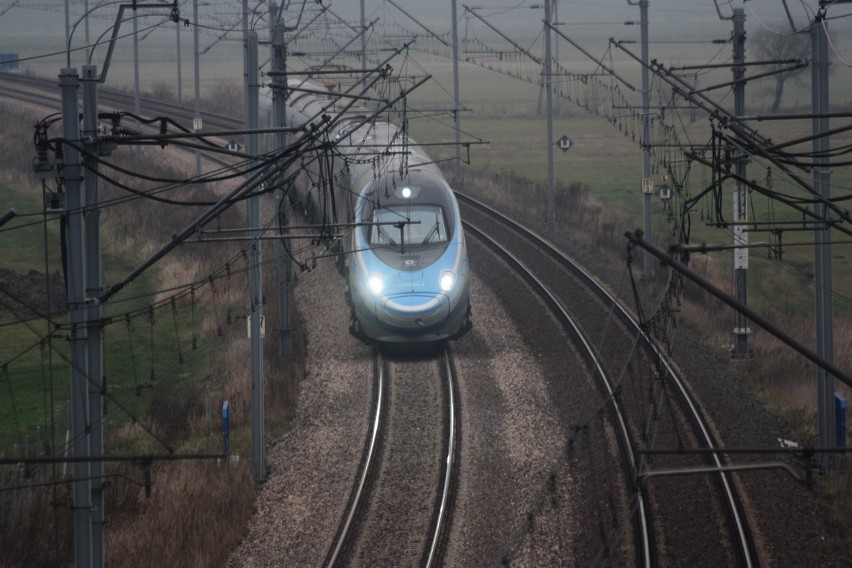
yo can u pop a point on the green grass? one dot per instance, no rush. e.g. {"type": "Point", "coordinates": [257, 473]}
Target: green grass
{"type": "Point", "coordinates": [609, 163]}
{"type": "Point", "coordinates": [34, 381]}
{"type": "Point", "coordinates": [24, 381]}
{"type": "Point", "coordinates": [16, 254]}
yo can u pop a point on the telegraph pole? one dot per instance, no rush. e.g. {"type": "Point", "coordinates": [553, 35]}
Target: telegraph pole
{"type": "Point", "coordinates": [822, 234]}
{"type": "Point", "coordinates": [741, 331]}
{"type": "Point", "coordinates": [69, 83]}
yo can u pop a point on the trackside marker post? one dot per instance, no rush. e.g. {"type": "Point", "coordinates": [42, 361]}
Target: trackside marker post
{"type": "Point", "coordinates": [226, 427]}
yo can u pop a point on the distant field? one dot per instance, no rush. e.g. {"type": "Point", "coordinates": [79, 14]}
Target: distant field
{"type": "Point", "coordinates": [610, 163]}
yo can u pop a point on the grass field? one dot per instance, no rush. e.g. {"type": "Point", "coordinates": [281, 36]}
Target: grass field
{"type": "Point", "coordinates": [40, 374]}
{"type": "Point", "coordinates": [610, 164]}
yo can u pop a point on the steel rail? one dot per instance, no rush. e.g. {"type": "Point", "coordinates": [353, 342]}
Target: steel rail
{"type": "Point", "coordinates": [49, 97]}
{"type": "Point", "coordinates": [107, 96]}
{"type": "Point", "coordinates": [732, 500]}
{"type": "Point", "coordinates": [346, 532]}
{"type": "Point", "coordinates": [645, 542]}
{"type": "Point", "coordinates": [444, 507]}
{"type": "Point", "coordinates": [371, 450]}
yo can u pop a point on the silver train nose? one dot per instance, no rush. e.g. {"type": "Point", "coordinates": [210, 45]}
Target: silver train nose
{"type": "Point", "coordinates": [412, 311]}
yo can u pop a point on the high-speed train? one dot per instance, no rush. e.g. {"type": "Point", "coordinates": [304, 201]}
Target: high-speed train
{"type": "Point", "coordinates": [401, 245]}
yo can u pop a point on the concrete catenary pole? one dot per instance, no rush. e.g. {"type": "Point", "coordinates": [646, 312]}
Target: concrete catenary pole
{"type": "Point", "coordinates": [69, 83]}
{"type": "Point", "coordinates": [557, 103]}
{"type": "Point", "coordinates": [86, 11]}
{"type": "Point", "coordinates": [457, 175]}
{"type": "Point", "coordinates": [94, 325]}
{"type": "Point", "coordinates": [548, 84]}
{"type": "Point", "coordinates": [258, 450]}
{"type": "Point", "coordinates": [822, 235]}
{"type": "Point", "coordinates": [177, 55]}
{"type": "Point", "coordinates": [647, 184]}
{"type": "Point", "coordinates": [363, 38]}
{"type": "Point", "coordinates": [197, 70]}
{"type": "Point", "coordinates": [284, 266]}
{"type": "Point", "coordinates": [740, 349]}
{"type": "Point", "coordinates": [67, 34]}
{"type": "Point", "coordinates": [136, 96]}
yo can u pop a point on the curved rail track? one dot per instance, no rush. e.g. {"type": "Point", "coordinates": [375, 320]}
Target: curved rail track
{"type": "Point", "coordinates": [379, 490]}
{"type": "Point", "coordinates": [45, 92]}
{"type": "Point", "coordinates": [21, 88]}
{"type": "Point", "coordinates": [626, 417]}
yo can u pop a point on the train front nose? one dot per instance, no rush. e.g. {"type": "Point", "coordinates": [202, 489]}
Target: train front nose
{"type": "Point", "coordinates": [413, 311]}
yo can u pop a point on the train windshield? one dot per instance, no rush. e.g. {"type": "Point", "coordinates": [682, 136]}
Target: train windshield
{"type": "Point", "coordinates": [408, 226]}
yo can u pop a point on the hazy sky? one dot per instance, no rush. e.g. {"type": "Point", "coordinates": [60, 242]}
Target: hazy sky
{"type": "Point", "coordinates": [667, 16]}
{"type": "Point", "coordinates": [592, 22]}
{"type": "Point", "coordinates": [670, 20]}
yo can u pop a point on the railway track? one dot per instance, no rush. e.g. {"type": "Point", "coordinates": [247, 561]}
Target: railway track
{"type": "Point", "coordinates": [45, 92]}
{"type": "Point", "coordinates": [22, 88]}
{"type": "Point", "coordinates": [401, 503]}
{"type": "Point", "coordinates": [650, 409]}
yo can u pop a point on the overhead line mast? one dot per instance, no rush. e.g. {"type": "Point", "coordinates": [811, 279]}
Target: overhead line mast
{"type": "Point", "coordinates": [647, 183]}
{"type": "Point", "coordinates": [284, 266]}
{"type": "Point", "coordinates": [741, 331]}
{"type": "Point", "coordinates": [824, 319]}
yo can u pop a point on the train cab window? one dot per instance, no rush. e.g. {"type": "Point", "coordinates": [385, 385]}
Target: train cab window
{"type": "Point", "coordinates": [411, 226]}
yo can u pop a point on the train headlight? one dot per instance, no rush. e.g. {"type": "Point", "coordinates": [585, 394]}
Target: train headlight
{"type": "Point", "coordinates": [447, 281]}
{"type": "Point", "coordinates": [406, 191]}
{"type": "Point", "coordinates": [375, 283]}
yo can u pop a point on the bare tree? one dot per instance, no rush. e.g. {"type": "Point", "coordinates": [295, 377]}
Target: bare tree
{"type": "Point", "coordinates": [162, 92]}
{"type": "Point", "coordinates": [771, 46]}
{"type": "Point", "coordinates": [225, 97]}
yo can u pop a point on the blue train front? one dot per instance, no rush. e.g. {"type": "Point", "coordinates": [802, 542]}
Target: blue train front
{"type": "Point", "coordinates": [402, 250]}
{"type": "Point", "coordinates": [408, 275]}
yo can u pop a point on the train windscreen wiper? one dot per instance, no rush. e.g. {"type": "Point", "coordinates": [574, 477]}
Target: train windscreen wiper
{"type": "Point", "coordinates": [384, 235]}
{"type": "Point", "coordinates": [432, 232]}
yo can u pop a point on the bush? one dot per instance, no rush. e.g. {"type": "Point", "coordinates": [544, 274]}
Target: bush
{"type": "Point", "coordinates": [162, 92]}
{"type": "Point", "coordinates": [225, 97]}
